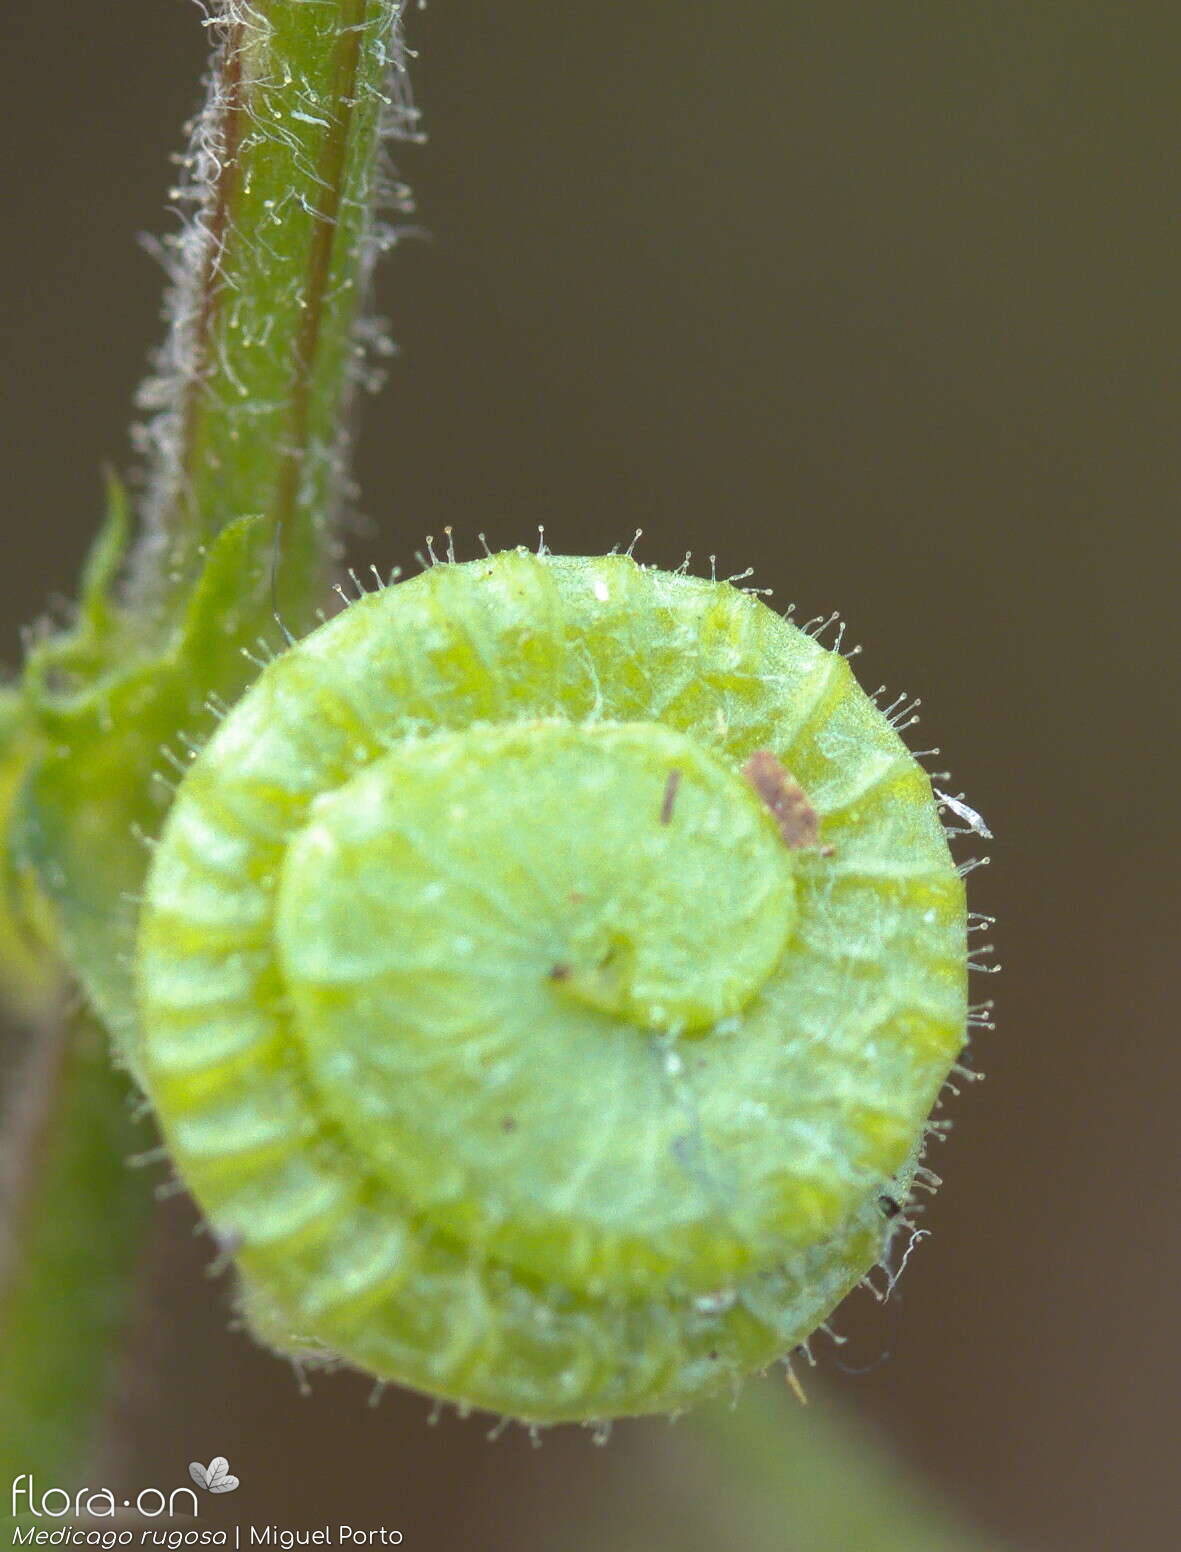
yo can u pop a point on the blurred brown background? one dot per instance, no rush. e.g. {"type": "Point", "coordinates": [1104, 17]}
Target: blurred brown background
{"type": "Point", "coordinates": [885, 300]}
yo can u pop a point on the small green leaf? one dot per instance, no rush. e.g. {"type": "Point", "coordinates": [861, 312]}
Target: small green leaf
{"type": "Point", "coordinates": [29, 969]}
{"type": "Point", "coordinates": [99, 791]}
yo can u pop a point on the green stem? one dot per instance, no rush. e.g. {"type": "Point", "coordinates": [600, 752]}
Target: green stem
{"type": "Point", "coordinates": [251, 392]}
{"type": "Point", "coordinates": [75, 1215]}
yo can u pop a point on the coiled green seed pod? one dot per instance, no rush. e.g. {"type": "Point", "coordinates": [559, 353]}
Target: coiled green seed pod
{"type": "Point", "coordinates": [501, 1013]}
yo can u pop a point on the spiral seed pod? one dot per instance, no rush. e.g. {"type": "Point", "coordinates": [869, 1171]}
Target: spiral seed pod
{"type": "Point", "coordinates": [545, 970]}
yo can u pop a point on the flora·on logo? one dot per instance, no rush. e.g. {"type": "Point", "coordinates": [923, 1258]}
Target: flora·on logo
{"type": "Point", "coordinates": [98, 1502]}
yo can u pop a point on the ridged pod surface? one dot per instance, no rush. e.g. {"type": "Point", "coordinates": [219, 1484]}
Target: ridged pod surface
{"type": "Point", "coordinates": [493, 1023]}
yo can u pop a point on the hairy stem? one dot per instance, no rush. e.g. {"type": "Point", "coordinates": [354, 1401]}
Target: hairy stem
{"type": "Point", "coordinates": [268, 277]}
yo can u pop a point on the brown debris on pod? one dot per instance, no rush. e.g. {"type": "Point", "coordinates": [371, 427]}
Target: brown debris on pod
{"type": "Point", "coordinates": [798, 821]}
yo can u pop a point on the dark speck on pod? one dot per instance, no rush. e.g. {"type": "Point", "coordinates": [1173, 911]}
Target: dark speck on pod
{"type": "Point", "coordinates": [670, 796]}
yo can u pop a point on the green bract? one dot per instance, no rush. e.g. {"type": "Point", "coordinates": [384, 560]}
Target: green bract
{"type": "Point", "coordinates": [493, 1023]}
